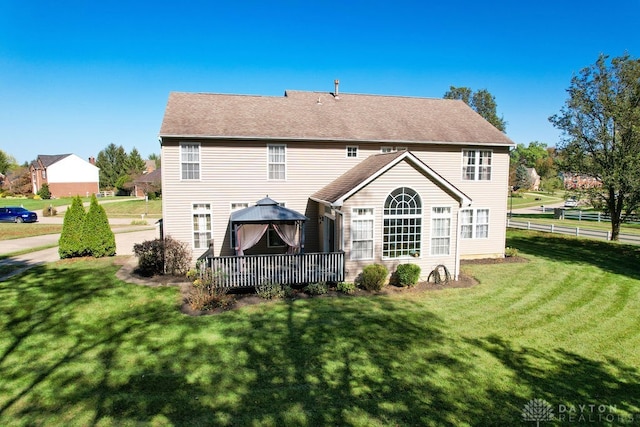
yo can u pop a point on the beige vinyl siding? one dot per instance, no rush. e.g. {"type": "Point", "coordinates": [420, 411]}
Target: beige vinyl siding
{"type": "Point", "coordinates": [233, 171]}
{"type": "Point", "coordinates": [375, 194]}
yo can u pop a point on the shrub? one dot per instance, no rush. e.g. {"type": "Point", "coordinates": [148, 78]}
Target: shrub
{"type": "Point", "coordinates": [407, 275]}
{"type": "Point", "coordinates": [509, 252]}
{"type": "Point", "coordinates": [270, 290]}
{"type": "Point", "coordinates": [319, 288]}
{"type": "Point", "coordinates": [150, 257]}
{"type": "Point", "coordinates": [346, 287]}
{"type": "Point", "coordinates": [71, 244]}
{"type": "Point", "coordinates": [205, 294]}
{"type": "Point", "coordinates": [97, 235]}
{"type": "Point", "coordinates": [177, 257]}
{"type": "Point", "coordinates": [373, 277]}
{"type": "Point", "coordinates": [49, 211]}
{"type": "Point", "coordinates": [162, 256]}
{"type": "Point", "coordinates": [44, 192]}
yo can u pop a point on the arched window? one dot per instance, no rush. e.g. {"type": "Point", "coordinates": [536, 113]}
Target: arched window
{"type": "Point", "coordinates": [402, 231]}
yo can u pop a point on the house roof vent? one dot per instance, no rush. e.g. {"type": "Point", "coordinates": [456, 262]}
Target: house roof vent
{"type": "Point", "coordinates": [336, 94]}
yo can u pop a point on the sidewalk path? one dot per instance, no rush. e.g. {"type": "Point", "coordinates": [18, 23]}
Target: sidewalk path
{"type": "Point", "coordinates": [125, 239]}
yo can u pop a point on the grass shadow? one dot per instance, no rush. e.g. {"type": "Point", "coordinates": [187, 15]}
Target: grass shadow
{"type": "Point", "coordinates": [613, 257]}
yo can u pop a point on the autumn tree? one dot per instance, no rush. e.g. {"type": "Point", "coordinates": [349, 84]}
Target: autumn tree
{"type": "Point", "coordinates": [481, 101]}
{"type": "Point", "coordinates": [601, 132]}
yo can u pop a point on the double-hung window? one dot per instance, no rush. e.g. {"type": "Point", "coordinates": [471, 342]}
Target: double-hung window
{"type": "Point", "coordinates": [202, 229]}
{"type": "Point", "coordinates": [402, 230]}
{"type": "Point", "coordinates": [362, 233]}
{"type": "Point", "coordinates": [277, 161]}
{"type": "Point", "coordinates": [440, 230]}
{"type": "Point", "coordinates": [474, 223]}
{"type": "Point", "coordinates": [190, 160]}
{"type": "Point", "coordinates": [476, 165]}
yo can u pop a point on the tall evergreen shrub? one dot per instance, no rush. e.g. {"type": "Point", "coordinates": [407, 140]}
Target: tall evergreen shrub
{"type": "Point", "coordinates": [71, 243]}
{"type": "Point", "coordinates": [98, 237]}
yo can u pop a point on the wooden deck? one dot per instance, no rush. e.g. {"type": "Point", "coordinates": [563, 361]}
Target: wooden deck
{"type": "Point", "coordinates": [250, 270]}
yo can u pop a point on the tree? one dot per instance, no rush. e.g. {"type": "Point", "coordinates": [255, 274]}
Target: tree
{"type": "Point", "coordinates": [523, 180]}
{"type": "Point", "coordinates": [156, 158]}
{"type": "Point", "coordinates": [97, 236]}
{"type": "Point", "coordinates": [71, 243]}
{"type": "Point", "coordinates": [44, 192]}
{"type": "Point", "coordinates": [482, 103]}
{"type": "Point", "coordinates": [112, 162]}
{"type": "Point", "coordinates": [135, 166]}
{"type": "Point", "coordinates": [7, 162]}
{"type": "Point", "coordinates": [601, 132]}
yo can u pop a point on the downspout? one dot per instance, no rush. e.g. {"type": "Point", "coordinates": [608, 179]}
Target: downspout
{"type": "Point", "coordinates": [458, 234]}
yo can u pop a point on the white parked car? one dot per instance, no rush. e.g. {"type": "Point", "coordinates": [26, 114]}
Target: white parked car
{"type": "Point", "coordinates": [571, 202]}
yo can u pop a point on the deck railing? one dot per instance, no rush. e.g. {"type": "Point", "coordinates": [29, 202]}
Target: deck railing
{"type": "Point", "coordinates": [250, 270]}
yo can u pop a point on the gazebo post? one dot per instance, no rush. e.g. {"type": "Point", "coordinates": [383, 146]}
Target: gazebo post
{"type": "Point", "coordinates": [301, 225]}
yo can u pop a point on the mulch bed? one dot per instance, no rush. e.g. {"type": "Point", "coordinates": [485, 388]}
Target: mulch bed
{"type": "Point", "coordinates": [243, 298]}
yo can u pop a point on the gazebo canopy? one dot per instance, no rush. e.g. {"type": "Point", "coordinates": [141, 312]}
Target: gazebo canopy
{"type": "Point", "coordinates": [266, 211]}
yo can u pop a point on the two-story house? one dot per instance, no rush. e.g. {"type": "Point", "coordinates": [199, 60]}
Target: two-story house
{"type": "Point", "coordinates": [381, 179]}
{"type": "Point", "coordinates": [65, 174]}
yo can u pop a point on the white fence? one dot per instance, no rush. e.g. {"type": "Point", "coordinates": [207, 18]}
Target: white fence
{"type": "Point", "coordinates": [250, 270]}
{"type": "Point", "coordinates": [574, 231]}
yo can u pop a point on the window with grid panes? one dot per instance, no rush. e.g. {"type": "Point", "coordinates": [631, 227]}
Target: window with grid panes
{"type": "Point", "coordinates": [402, 229]}
{"type": "Point", "coordinates": [440, 230]}
{"type": "Point", "coordinates": [201, 225]}
{"type": "Point", "coordinates": [476, 165]}
{"type": "Point", "coordinates": [190, 161]}
{"type": "Point", "coordinates": [277, 163]}
{"type": "Point", "coordinates": [362, 233]}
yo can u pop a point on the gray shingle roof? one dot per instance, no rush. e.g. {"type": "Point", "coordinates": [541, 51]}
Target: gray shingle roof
{"type": "Point", "coordinates": [320, 116]}
{"type": "Point", "coordinates": [47, 159]}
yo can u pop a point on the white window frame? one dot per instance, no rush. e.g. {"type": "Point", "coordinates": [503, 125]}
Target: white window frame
{"type": "Point", "coordinates": [362, 215]}
{"type": "Point", "coordinates": [201, 210]}
{"type": "Point", "coordinates": [238, 206]}
{"type": "Point", "coordinates": [386, 149]}
{"type": "Point", "coordinates": [394, 220]}
{"type": "Point", "coordinates": [479, 169]}
{"type": "Point", "coordinates": [270, 163]}
{"type": "Point", "coordinates": [470, 227]}
{"type": "Point", "coordinates": [272, 236]}
{"type": "Point", "coordinates": [439, 214]}
{"type": "Point", "coordinates": [354, 151]}
{"type": "Point", "coordinates": [188, 161]}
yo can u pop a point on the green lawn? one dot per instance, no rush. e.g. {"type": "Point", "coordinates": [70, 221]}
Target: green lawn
{"type": "Point", "coordinates": [38, 205]}
{"type": "Point", "coordinates": [134, 208]}
{"type": "Point", "coordinates": [528, 200]}
{"type": "Point", "coordinates": [79, 347]}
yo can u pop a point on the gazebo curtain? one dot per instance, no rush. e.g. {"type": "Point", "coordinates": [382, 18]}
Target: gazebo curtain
{"type": "Point", "coordinates": [289, 233]}
{"type": "Point", "coordinates": [247, 235]}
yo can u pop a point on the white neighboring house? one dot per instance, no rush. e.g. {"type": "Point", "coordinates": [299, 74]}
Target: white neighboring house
{"type": "Point", "coordinates": [66, 175]}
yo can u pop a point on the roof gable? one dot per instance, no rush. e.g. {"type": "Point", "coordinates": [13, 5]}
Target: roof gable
{"type": "Point", "coordinates": [352, 181]}
{"type": "Point", "coordinates": [320, 116]}
{"type": "Point", "coordinates": [47, 160]}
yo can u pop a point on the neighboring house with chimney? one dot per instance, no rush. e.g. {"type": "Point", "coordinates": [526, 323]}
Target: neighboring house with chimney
{"type": "Point", "coordinates": [66, 174]}
{"type": "Point", "coordinates": [372, 179]}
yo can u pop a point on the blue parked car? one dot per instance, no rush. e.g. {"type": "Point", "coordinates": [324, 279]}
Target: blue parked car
{"type": "Point", "coordinates": [17, 214]}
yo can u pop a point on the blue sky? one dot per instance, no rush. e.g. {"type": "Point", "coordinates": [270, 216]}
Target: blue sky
{"type": "Point", "coordinates": [76, 76]}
